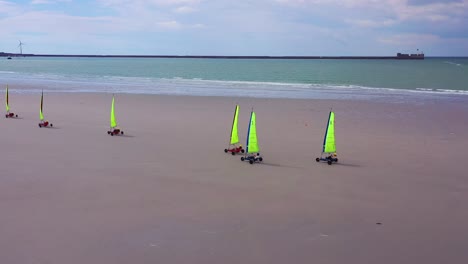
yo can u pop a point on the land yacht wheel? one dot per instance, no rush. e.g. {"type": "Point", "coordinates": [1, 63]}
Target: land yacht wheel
{"type": "Point", "coordinates": [329, 162]}
{"type": "Point", "coordinates": [242, 159]}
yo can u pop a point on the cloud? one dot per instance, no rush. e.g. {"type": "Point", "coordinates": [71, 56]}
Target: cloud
{"type": "Point", "coordinates": [47, 22]}
{"type": "Point", "coordinates": [433, 11]}
{"type": "Point", "coordinates": [431, 44]}
{"type": "Point", "coordinates": [8, 7]}
{"type": "Point", "coordinates": [38, 2]}
{"type": "Point", "coordinates": [367, 23]}
{"type": "Point", "coordinates": [170, 24]}
{"type": "Point", "coordinates": [439, 18]}
{"type": "Point", "coordinates": [370, 11]}
{"type": "Point", "coordinates": [52, 22]}
{"type": "Point", "coordinates": [426, 2]}
{"type": "Point", "coordinates": [148, 3]}
{"type": "Point", "coordinates": [409, 40]}
{"type": "Point", "coordinates": [300, 27]}
{"type": "Point", "coordinates": [154, 14]}
{"type": "Point", "coordinates": [184, 9]}
{"type": "Point", "coordinates": [336, 3]}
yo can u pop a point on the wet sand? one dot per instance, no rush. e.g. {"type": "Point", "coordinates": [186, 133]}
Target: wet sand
{"type": "Point", "coordinates": [167, 193]}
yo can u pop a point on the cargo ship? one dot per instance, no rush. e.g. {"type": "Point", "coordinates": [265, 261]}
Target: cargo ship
{"type": "Point", "coordinates": [412, 56]}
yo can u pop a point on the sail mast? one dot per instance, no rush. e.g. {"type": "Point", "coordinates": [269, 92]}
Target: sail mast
{"type": "Point", "coordinates": [41, 116]}
{"type": "Point", "coordinates": [252, 144]}
{"type": "Point", "coordinates": [329, 138]}
{"type": "Point", "coordinates": [6, 100]}
{"type": "Point", "coordinates": [234, 132]}
{"type": "Point", "coordinates": [113, 122]}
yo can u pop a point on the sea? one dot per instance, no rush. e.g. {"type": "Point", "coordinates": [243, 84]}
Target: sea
{"type": "Point", "coordinates": [397, 80]}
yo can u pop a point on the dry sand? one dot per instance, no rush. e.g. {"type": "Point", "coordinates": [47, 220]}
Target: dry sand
{"type": "Point", "coordinates": [167, 193]}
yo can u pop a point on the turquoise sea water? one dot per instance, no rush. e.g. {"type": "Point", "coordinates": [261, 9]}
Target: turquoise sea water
{"type": "Point", "coordinates": [239, 77]}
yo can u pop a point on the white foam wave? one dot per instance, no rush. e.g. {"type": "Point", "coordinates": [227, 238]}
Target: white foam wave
{"type": "Point", "coordinates": [196, 86]}
{"type": "Point", "coordinates": [449, 91]}
{"type": "Point", "coordinates": [425, 89]}
{"type": "Point", "coordinates": [453, 63]}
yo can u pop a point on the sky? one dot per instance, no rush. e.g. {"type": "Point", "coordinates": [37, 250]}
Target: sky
{"type": "Point", "coordinates": [235, 27]}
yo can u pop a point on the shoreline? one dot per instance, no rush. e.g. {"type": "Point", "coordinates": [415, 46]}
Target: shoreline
{"type": "Point", "coordinates": [166, 192]}
{"type": "Point", "coordinates": [340, 93]}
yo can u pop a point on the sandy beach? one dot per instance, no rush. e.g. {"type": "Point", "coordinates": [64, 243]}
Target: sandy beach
{"type": "Point", "coordinates": [167, 193]}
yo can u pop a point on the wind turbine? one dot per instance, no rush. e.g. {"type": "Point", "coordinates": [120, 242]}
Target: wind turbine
{"type": "Point", "coordinates": [20, 45]}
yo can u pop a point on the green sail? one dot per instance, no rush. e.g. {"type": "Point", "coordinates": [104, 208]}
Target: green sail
{"type": "Point", "coordinates": [329, 139]}
{"type": "Point", "coordinates": [113, 123]}
{"type": "Point", "coordinates": [234, 134]}
{"type": "Point", "coordinates": [41, 116]}
{"type": "Point", "coordinates": [252, 144]}
{"type": "Point", "coordinates": [6, 100]}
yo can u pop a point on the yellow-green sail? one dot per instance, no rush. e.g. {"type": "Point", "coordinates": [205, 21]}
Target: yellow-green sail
{"type": "Point", "coordinates": [329, 139]}
{"type": "Point", "coordinates": [252, 143]}
{"type": "Point", "coordinates": [41, 116]}
{"type": "Point", "coordinates": [6, 100]}
{"type": "Point", "coordinates": [113, 123]}
{"type": "Point", "coordinates": [234, 134]}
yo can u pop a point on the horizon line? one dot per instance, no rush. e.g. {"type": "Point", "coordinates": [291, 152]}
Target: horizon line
{"type": "Point", "coordinates": [4, 54]}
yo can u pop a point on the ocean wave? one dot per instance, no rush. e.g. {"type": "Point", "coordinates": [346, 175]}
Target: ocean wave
{"type": "Point", "coordinates": [198, 86]}
{"type": "Point", "coordinates": [453, 63]}
{"type": "Point", "coordinates": [449, 91]}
